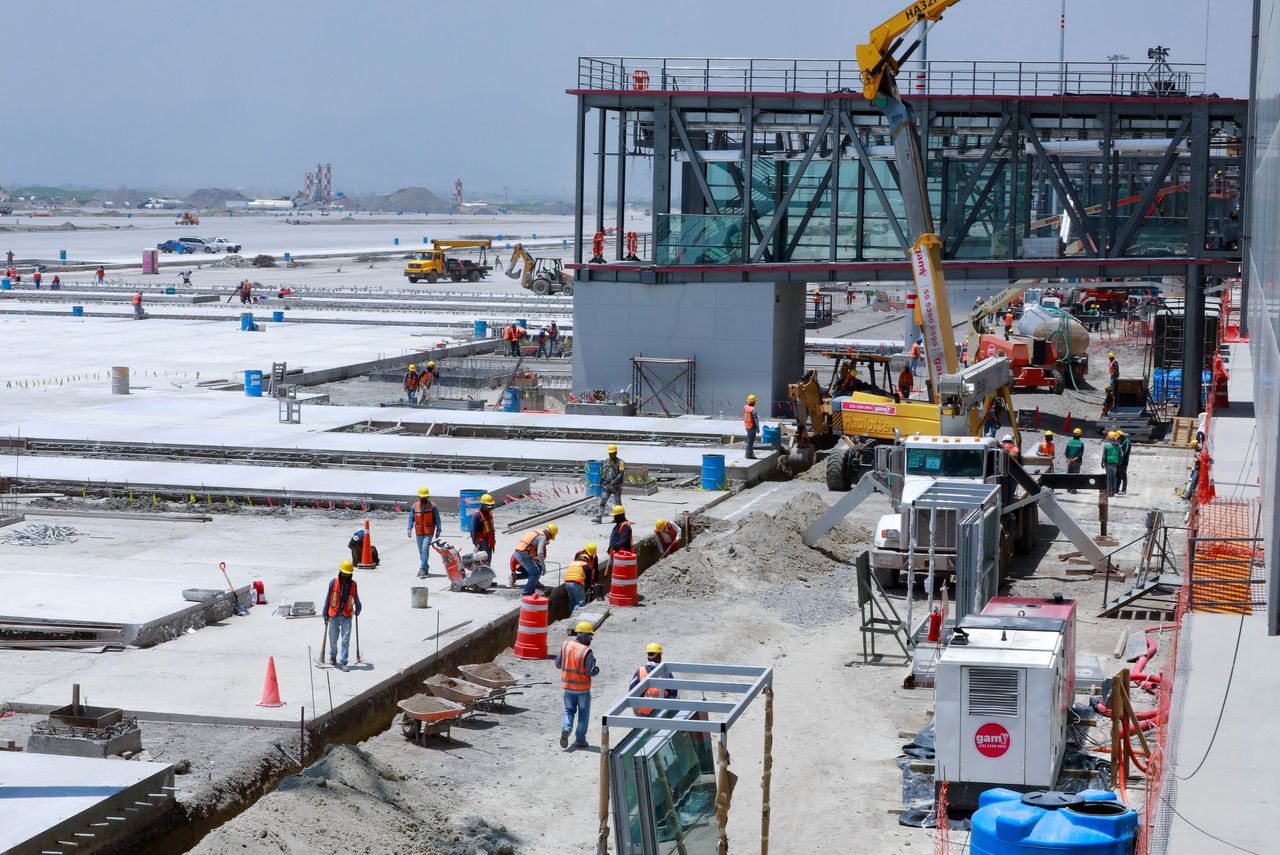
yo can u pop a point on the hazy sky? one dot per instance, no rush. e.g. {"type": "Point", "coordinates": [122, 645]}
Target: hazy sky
{"type": "Point", "coordinates": [251, 93]}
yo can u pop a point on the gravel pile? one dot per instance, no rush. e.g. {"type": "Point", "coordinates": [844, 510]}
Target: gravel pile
{"type": "Point", "coordinates": [806, 603]}
{"type": "Point", "coordinates": [232, 260]}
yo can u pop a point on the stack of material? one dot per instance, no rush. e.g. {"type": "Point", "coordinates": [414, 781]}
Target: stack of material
{"type": "Point", "coordinates": [40, 534]}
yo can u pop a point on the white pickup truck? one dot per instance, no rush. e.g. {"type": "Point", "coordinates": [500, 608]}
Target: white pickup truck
{"type": "Point", "coordinates": [224, 245]}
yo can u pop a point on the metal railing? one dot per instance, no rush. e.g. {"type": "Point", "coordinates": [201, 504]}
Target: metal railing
{"type": "Point", "coordinates": [934, 77]}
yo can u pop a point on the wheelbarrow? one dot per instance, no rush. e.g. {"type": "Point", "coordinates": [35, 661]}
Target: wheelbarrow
{"type": "Point", "coordinates": [426, 714]}
{"type": "Point", "coordinates": [470, 572]}
{"type": "Point", "coordinates": [495, 678]}
{"type": "Point", "coordinates": [455, 690]}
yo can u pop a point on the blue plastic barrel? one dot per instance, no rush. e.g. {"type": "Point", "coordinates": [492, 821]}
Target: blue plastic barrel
{"type": "Point", "coordinates": [593, 478]}
{"type": "Point", "coordinates": [62, 255]}
{"type": "Point", "coordinates": [288, 256]}
{"type": "Point", "coordinates": [77, 311]}
{"type": "Point", "coordinates": [482, 329]}
{"type": "Point", "coordinates": [468, 501]}
{"type": "Point", "coordinates": [1091, 822]}
{"type": "Point", "coordinates": [713, 477]}
{"type": "Point", "coordinates": [511, 401]}
{"type": "Point", "coordinates": [246, 322]}
{"type": "Point", "coordinates": [523, 323]}
{"type": "Point", "coordinates": [395, 241]}
{"type": "Point", "coordinates": [253, 384]}
{"type": "Point", "coordinates": [770, 435]}
{"type": "Point", "coordinates": [278, 316]}
{"type": "Point", "coordinates": [5, 284]}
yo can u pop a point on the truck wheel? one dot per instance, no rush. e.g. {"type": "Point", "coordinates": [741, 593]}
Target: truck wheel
{"type": "Point", "coordinates": [837, 470]}
{"type": "Point", "coordinates": [1029, 534]}
{"type": "Point", "coordinates": [540, 286]}
{"type": "Point", "coordinates": [413, 280]}
{"type": "Point", "coordinates": [433, 278]}
{"type": "Point", "coordinates": [473, 276]}
{"type": "Point", "coordinates": [567, 289]}
{"type": "Point", "coordinates": [1059, 382]}
{"type": "Point", "coordinates": [887, 577]}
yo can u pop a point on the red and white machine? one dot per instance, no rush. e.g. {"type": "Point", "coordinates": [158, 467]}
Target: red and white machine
{"type": "Point", "coordinates": [1003, 688]}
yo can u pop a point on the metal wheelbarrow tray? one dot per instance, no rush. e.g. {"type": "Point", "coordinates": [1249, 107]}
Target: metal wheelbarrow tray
{"type": "Point", "coordinates": [489, 675]}
{"type": "Point", "coordinates": [453, 689]}
{"type": "Point", "coordinates": [427, 714]}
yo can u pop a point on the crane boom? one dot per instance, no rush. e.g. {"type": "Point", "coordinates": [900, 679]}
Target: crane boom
{"type": "Point", "coordinates": [876, 58]}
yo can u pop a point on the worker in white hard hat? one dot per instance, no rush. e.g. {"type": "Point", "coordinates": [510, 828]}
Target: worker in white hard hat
{"type": "Point", "coordinates": [653, 658]}
{"type": "Point", "coordinates": [612, 476]}
{"type": "Point", "coordinates": [577, 665]}
{"type": "Point", "coordinates": [751, 423]}
{"type": "Point", "coordinates": [411, 382]}
{"type": "Point", "coordinates": [424, 523]}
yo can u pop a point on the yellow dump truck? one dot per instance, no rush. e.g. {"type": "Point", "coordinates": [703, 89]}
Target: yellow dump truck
{"type": "Point", "coordinates": [433, 264]}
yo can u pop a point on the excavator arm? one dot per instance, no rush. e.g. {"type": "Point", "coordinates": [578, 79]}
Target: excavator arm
{"type": "Point", "coordinates": [520, 255]}
{"type": "Point", "coordinates": [875, 58]}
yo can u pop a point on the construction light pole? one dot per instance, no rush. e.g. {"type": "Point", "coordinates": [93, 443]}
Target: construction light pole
{"type": "Point", "coordinates": [1062, 45]}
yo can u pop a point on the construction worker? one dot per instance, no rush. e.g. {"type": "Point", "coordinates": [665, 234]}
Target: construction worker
{"type": "Point", "coordinates": [553, 336]}
{"type": "Point", "coordinates": [56, 284]}
{"type": "Point", "coordinates": [915, 355]}
{"type": "Point", "coordinates": [668, 536]}
{"type": "Point", "coordinates": [186, 277]}
{"type": "Point", "coordinates": [1122, 470]}
{"type": "Point", "coordinates": [342, 603]}
{"type": "Point", "coordinates": [411, 381]}
{"type": "Point", "coordinates": [1113, 371]}
{"type": "Point", "coordinates": [587, 556]}
{"type": "Point", "coordinates": [427, 378]}
{"type": "Point", "coordinates": [484, 537]}
{"type": "Point", "coordinates": [653, 657]}
{"type": "Point", "coordinates": [542, 343]}
{"type": "Point", "coordinates": [964, 353]}
{"type": "Point", "coordinates": [246, 292]}
{"type": "Point", "coordinates": [1111, 460]}
{"type": "Point", "coordinates": [356, 545]}
{"type": "Point", "coordinates": [906, 381]}
{"type": "Point", "coordinates": [101, 274]}
{"type": "Point", "coordinates": [1108, 400]}
{"type": "Point", "coordinates": [37, 277]}
{"type": "Point", "coordinates": [575, 584]}
{"type": "Point", "coordinates": [531, 556]}
{"type": "Point", "coordinates": [9, 257]}
{"type": "Point", "coordinates": [1074, 454]}
{"type": "Point", "coordinates": [137, 306]}
{"type": "Point", "coordinates": [1007, 443]}
{"type": "Point", "coordinates": [752, 425]}
{"type": "Point", "coordinates": [1048, 449]}
{"type": "Point", "coordinates": [612, 475]}
{"type": "Point", "coordinates": [577, 666]}
{"type": "Point", "coordinates": [620, 537]}
{"type": "Point", "coordinates": [424, 522]}
{"type": "Point", "coordinates": [817, 304]}
{"type": "Point", "coordinates": [511, 334]}
{"type": "Point", "coordinates": [1008, 324]}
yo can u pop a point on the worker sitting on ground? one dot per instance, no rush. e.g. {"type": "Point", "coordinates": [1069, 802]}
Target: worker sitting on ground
{"type": "Point", "coordinates": [906, 381]}
{"type": "Point", "coordinates": [1048, 449]}
{"type": "Point", "coordinates": [752, 426]}
{"type": "Point", "coordinates": [653, 657]}
{"type": "Point", "coordinates": [577, 666]}
{"type": "Point", "coordinates": [356, 545]}
{"type": "Point", "coordinates": [612, 475]}
{"type": "Point", "coordinates": [411, 381]}
{"type": "Point", "coordinates": [424, 522]}
{"type": "Point", "coordinates": [668, 536]}
{"type": "Point", "coordinates": [342, 602]}
{"type": "Point", "coordinates": [531, 556]}
{"type": "Point", "coordinates": [620, 537]}
{"type": "Point", "coordinates": [587, 555]}
{"type": "Point", "coordinates": [575, 584]}
{"type": "Point", "coordinates": [484, 538]}
{"type": "Point", "coordinates": [1074, 454]}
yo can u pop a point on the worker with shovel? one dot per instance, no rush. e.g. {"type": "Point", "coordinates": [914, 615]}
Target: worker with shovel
{"type": "Point", "coordinates": [342, 606]}
{"type": "Point", "coordinates": [587, 556]}
{"type": "Point", "coordinates": [531, 556]}
{"type": "Point", "coordinates": [577, 666]}
{"type": "Point", "coordinates": [668, 536]}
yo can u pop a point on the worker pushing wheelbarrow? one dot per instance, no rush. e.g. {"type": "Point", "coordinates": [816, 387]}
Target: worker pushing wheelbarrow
{"type": "Point", "coordinates": [470, 572]}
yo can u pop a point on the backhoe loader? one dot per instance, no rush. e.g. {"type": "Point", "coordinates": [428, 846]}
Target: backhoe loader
{"type": "Point", "coordinates": [540, 275]}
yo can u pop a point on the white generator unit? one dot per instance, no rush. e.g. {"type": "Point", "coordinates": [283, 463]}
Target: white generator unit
{"type": "Point", "coordinates": [1002, 694]}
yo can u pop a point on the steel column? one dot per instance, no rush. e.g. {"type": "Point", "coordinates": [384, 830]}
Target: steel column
{"type": "Point", "coordinates": [834, 207]}
{"type": "Point", "coordinates": [661, 165]}
{"type": "Point", "coordinates": [1062, 183]}
{"type": "Point", "coordinates": [1131, 225]}
{"type": "Point", "coordinates": [620, 218]}
{"type": "Point", "coordinates": [600, 172]}
{"type": "Point", "coordinates": [792, 184]}
{"type": "Point", "coordinates": [1192, 342]}
{"type": "Point", "coordinates": [1198, 191]}
{"type": "Point", "coordinates": [949, 227]}
{"type": "Point", "coordinates": [749, 224]}
{"type": "Point", "coordinates": [865, 160]}
{"type": "Point", "coordinates": [579, 190]}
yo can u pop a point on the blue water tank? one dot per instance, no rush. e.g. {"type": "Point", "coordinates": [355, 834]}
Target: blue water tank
{"type": "Point", "coordinates": [277, 316]}
{"type": "Point", "coordinates": [481, 330]}
{"type": "Point", "coordinates": [713, 477]}
{"type": "Point", "coordinates": [1091, 822]}
{"type": "Point", "coordinates": [593, 478]}
{"type": "Point", "coordinates": [77, 311]}
{"type": "Point", "coordinates": [468, 502]}
{"type": "Point", "coordinates": [253, 384]}
{"type": "Point", "coordinates": [511, 401]}
{"type": "Point", "coordinates": [770, 435]}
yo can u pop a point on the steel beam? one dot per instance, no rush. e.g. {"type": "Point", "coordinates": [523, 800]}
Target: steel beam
{"type": "Point", "coordinates": [749, 224]}
{"type": "Point", "coordinates": [833, 251]}
{"type": "Point", "coordinates": [1131, 225]}
{"type": "Point", "coordinates": [809, 210]}
{"type": "Point", "coordinates": [1062, 183]}
{"type": "Point", "coordinates": [1192, 341]}
{"type": "Point", "coordinates": [661, 199]}
{"type": "Point", "coordinates": [865, 160]}
{"type": "Point", "coordinates": [780, 212]}
{"type": "Point", "coordinates": [601, 158]}
{"type": "Point", "coordinates": [620, 216]}
{"type": "Point", "coordinates": [949, 228]}
{"type": "Point", "coordinates": [695, 162]}
{"type": "Point", "coordinates": [579, 190]}
{"type": "Point", "coordinates": [976, 210]}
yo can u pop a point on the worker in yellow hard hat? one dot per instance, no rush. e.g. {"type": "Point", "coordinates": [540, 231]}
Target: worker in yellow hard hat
{"type": "Point", "coordinates": [653, 658]}
{"type": "Point", "coordinates": [1074, 454]}
{"type": "Point", "coordinates": [1048, 449]}
{"type": "Point", "coordinates": [577, 666]}
{"type": "Point", "coordinates": [587, 556]}
{"type": "Point", "coordinates": [530, 557]}
{"type": "Point", "coordinates": [1113, 371]}
{"type": "Point", "coordinates": [1122, 469]}
{"type": "Point", "coordinates": [411, 382]}
{"type": "Point", "coordinates": [668, 536]}
{"type": "Point", "coordinates": [752, 426]}
{"type": "Point", "coordinates": [1111, 461]}
{"type": "Point", "coordinates": [620, 537]}
{"type": "Point", "coordinates": [484, 538]}
{"type": "Point", "coordinates": [612, 475]}
{"type": "Point", "coordinates": [424, 524]}
{"type": "Point", "coordinates": [427, 378]}
{"type": "Point", "coordinates": [341, 606]}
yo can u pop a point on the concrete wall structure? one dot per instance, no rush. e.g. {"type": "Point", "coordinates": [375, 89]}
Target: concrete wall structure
{"type": "Point", "coordinates": [745, 337]}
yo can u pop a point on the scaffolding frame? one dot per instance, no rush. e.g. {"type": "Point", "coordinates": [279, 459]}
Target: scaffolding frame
{"type": "Point", "coordinates": [644, 369]}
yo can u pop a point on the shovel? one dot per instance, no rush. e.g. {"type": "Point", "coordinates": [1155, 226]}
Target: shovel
{"type": "Point", "coordinates": [235, 598]}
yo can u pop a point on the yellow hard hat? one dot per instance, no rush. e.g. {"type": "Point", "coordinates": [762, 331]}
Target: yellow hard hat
{"type": "Point", "coordinates": [346, 567]}
{"type": "Point", "coordinates": [1111, 356]}
{"type": "Point", "coordinates": [591, 549]}
{"type": "Point", "coordinates": [660, 524]}
{"type": "Point", "coordinates": [552, 530]}
{"type": "Point", "coordinates": [584, 626]}
{"type": "Point", "coordinates": [486, 499]}
{"type": "Point", "coordinates": [613, 449]}
{"type": "Point", "coordinates": [431, 364]}
{"type": "Point", "coordinates": [1048, 433]}
{"type": "Point", "coordinates": [751, 399]}
{"type": "Point", "coordinates": [618, 509]}
{"type": "Point", "coordinates": [423, 492]}
{"type": "Point", "coordinates": [1113, 434]}
{"type": "Point", "coordinates": [1077, 432]}
{"type": "Point", "coordinates": [412, 367]}
{"type": "Point", "coordinates": [653, 647]}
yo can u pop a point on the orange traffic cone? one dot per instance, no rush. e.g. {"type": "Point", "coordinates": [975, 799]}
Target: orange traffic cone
{"type": "Point", "coordinates": [271, 689]}
{"type": "Point", "coordinates": [1066, 423]}
{"type": "Point", "coordinates": [366, 557]}
{"type": "Point", "coordinates": [1037, 418]}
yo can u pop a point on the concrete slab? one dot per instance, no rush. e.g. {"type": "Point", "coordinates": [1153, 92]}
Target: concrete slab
{"type": "Point", "coordinates": [46, 798]}
{"type": "Point", "coordinates": [1233, 433]}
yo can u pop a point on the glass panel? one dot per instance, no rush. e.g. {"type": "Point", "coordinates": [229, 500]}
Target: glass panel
{"type": "Point", "coordinates": [682, 790]}
{"type": "Point", "coordinates": [699, 239]}
{"type": "Point", "coordinates": [626, 801]}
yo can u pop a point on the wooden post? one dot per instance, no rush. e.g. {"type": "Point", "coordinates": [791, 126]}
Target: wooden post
{"type": "Point", "coordinates": [724, 790]}
{"type": "Point", "coordinates": [1102, 512]}
{"type": "Point", "coordinates": [767, 774]}
{"type": "Point", "coordinates": [602, 842]}
{"type": "Point", "coordinates": [1117, 722]}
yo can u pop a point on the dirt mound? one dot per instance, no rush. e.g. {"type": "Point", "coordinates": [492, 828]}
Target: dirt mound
{"type": "Point", "coordinates": [214, 197]}
{"type": "Point", "coordinates": [757, 550]}
{"type": "Point", "coordinates": [231, 260]}
{"type": "Point", "coordinates": [413, 199]}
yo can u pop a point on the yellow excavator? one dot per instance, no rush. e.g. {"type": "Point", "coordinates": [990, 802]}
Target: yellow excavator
{"type": "Point", "coordinates": [187, 219]}
{"type": "Point", "coordinates": [957, 400]}
{"type": "Point", "coordinates": [540, 275]}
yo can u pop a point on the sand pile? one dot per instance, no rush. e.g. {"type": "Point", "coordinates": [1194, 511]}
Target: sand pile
{"type": "Point", "coordinates": [755, 550]}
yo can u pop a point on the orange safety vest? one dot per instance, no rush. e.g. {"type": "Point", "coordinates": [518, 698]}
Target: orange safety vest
{"type": "Point", "coordinates": [1011, 448]}
{"type": "Point", "coordinates": [915, 350]}
{"type": "Point", "coordinates": [574, 676]}
{"type": "Point", "coordinates": [348, 607]}
{"type": "Point", "coordinates": [1047, 449]}
{"type": "Point", "coordinates": [749, 417]}
{"type": "Point", "coordinates": [525, 543]}
{"type": "Point", "coordinates": [485, 534]}
{"type": "Point", "coordinates": [411, 380]}
{"type": "Point", "coordinates": [137, 299]}
{"type": "Point", "coordinates": [648, 693]}
{"type": "Point", "coordinates": [1008, 319]}
{"type": "Point", "coordinates": [1114, 368]}
{"type": "Point", "coordinates": [424, 521]}
{"type": "Point", "coordinates": [576, 572]}
{"type": "Point", "coordinates": [668, 534]}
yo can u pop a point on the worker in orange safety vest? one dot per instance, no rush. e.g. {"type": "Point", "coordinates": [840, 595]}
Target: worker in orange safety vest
{"type": "Point", "coordinates": [411, 381]}
{"type": "Point", "coordinates": [483, 536]}
{"type": "Point", "coordinates": [653, 653]}
{"type": "Point", "coordinates": [577, 666]}
{"type": "Point", "coordinates": [342, 603]}
{"type": "Point", "coordinates": [751, 424]}
{"type": "Point", "coordinates": [1047, 449]}
{"type": "Point", "coordinates": [424, 522]}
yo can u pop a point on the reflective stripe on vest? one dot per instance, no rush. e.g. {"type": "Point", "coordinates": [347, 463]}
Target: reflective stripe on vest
{"type": "Point", "coordinates": [485, 522]}
{"type": "Point", "coordinates": [574, 676]}
{"type": "Point", "coordinates": [668, 534]}
{"type": "Point", "coordinates": [526, 542]}
{"type": "Point", "coordinates": [424, 521]}
{"type": "Point", "coordinates": [347, 608]}
{"type": "Point", "coordinates": [1047, 449]}
{"type": "Point", "coordinates": [749, 417]}
{"type": "Point", "coordinates": [576, 572]}
{"type": "Point", "coordinates": [411, 380]}
{"type": "Point", "coordinates": [648, 693]}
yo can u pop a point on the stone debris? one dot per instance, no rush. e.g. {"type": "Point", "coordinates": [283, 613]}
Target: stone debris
{"type": "Point", "coordinates": [232, 260]}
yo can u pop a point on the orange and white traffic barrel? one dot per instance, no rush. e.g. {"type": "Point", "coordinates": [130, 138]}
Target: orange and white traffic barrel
{"type": "Point", "coordinates": [624, 592]}
{"type": "Point", "coordinates": [531, 635]}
